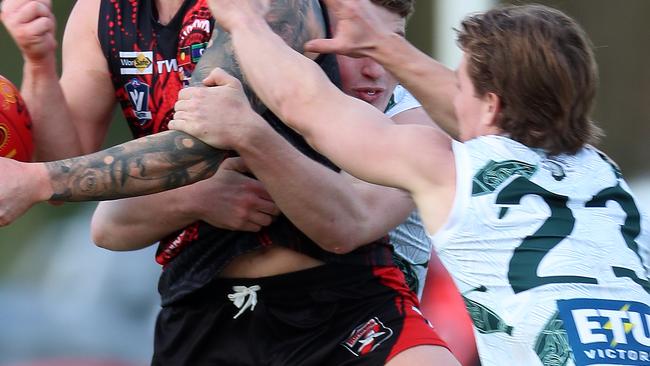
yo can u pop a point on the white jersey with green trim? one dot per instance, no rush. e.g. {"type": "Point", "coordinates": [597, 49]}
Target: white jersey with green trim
{"type": "Point", "coordinates": [410, 240]}
{"type": "Point", "coordinates": [550, 254]}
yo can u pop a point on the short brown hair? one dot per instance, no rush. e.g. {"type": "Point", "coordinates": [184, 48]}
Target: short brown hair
{"type": "Point", "coordinates": [540, 63]}
{"type": "Point", "coordinates": [402, 7]}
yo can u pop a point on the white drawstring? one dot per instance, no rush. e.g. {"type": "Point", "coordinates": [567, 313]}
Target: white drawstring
{"type": "Point", "coordinates": [241, 294]}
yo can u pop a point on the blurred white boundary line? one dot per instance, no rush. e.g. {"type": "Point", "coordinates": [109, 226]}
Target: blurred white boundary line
{"type": "Point", "coordinates": [447, 16]}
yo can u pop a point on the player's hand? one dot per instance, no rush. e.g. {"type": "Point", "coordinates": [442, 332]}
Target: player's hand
{"type": "Point", "coordinates": [32, 26]}
{"type": "Point", "coordinates": [231, 200]}
{"type": "Point", "coordinates": [19, 189]}
{"type": "Point", "coordinates": [358, 31]}
{"type": "Point", "coordinates": [230, 13]}
{"type": "Point", "coordinates": [219, 115]}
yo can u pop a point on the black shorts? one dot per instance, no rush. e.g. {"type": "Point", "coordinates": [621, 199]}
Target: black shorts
{"type": "Point", "coordinates": [329, 315]}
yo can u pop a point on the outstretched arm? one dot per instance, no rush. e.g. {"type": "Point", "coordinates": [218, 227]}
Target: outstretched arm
{"type": "Point", "coordinates": [146, 165]}
{"type": "Point", "coordinates": [143, 166]}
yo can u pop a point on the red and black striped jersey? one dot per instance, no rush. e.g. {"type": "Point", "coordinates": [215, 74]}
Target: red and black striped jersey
{"type": "Point", "coordinates": [149, 64]}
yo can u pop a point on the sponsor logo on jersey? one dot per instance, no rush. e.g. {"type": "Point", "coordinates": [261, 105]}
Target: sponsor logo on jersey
{"type": "Point", "coordinates": [136, 63]}
{"type": "Point", "coordinates": [367, 337]}
{"type": "Point", "coordinates": [607, 332]}
{"type": "Point", "coordinates": [139, 96]}
{"type": "Point", "coordinates": [167, 66]}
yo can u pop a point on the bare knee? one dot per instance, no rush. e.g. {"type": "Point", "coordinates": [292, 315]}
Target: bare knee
{"type": "Point", "coordinates": [424, 355]}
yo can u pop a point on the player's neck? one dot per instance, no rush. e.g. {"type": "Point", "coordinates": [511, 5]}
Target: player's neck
{"type": "Point", "coordinates": [167, 9]}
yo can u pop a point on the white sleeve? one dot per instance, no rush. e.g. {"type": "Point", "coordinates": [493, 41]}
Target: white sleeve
{"type": "Point", "coordinates": [403, 101]}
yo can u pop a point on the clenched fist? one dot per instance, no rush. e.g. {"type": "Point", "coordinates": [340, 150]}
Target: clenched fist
{"type": "Point", "coordinates": [32, 26]}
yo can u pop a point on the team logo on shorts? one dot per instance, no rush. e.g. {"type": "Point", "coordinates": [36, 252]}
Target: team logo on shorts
{"type": "Point", "coordinates": [607, 332]}
{"type": "Point", "coordinates": [366, 337]}
{"type": "Point", "coordinates": [139, 95]}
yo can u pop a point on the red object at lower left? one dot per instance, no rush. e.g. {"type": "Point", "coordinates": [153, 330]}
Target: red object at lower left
{"type": "Point", "coordinates": [15, 124]}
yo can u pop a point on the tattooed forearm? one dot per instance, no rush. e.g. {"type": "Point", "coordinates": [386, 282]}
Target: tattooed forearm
{"type": "Point", "coordinates": [296, 21]}
{"type": "Point", "coordinates": [147, 165]}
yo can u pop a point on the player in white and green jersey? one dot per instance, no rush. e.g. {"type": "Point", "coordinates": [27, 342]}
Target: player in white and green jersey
{"type": "Point", "coordinates": [539, 230]}
{"type": "Point", "coordinates": [545, 251]}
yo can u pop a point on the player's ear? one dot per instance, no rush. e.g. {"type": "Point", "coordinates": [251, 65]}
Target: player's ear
{"type": "Point", "coordinates": [491, 109]}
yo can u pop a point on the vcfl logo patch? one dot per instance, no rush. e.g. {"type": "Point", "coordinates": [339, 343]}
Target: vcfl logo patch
{"type": "Point", "coordinates": [366, 337]}
{"type": "Point", "coordinates": [139, 96]}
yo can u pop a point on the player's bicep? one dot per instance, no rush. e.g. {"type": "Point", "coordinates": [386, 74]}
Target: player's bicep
{"type": "Point", "coordinates": [86, 80]}
{"type": "Point", "coordinates": [366, 143]}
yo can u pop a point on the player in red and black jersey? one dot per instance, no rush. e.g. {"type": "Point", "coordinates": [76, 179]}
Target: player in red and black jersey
{"type": "Point", "coordinates": [359, 298]}
{"type": "Point", "coordinates": [149, 64]}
